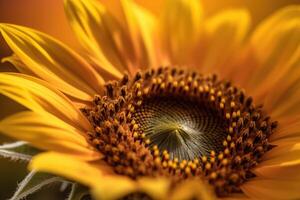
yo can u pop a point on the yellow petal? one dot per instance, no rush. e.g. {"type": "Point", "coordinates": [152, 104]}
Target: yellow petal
{"type": "Point", "coordinates": [39, 96]}
{"type": "Point", "coordinates": [224, 35]}
{"type": "Point", "coordinates": [18, 64]}
{"type": "Point", "coordinates": [52, 61]}
{"type": "Point", "coordinates": [49, 133]}
{"type": "Point", "coordinates": [108, 186]}
{"type": "Point", "coordinates": [141, 25]}
{"type": "Point", "coordinates": [284, 102]}
{"type": "Point", "coordinates": [112, 188]}
{"type": "Point", "coordinates": [276, 46]}
{"type": "Point", "coordinates": [180, 26]}
{"type": "Point", "coordinates": [101, 35]}
{"type": "Point", "coordinates": [102, 186]}
{"type": "Point", "coordinates": [273, 50]}
{"type": "Point", "coordinates": [157, 188]}
{"type": "Point", "coordinates": [66, 166]}
{"type": "Point", "coordinates": [276, 189]}
{"type": "Point", "coordinates": [191, 189]}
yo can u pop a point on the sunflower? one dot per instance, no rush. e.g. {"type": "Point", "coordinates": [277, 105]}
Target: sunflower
{"type": "Point", "coordinates": [168, 106]}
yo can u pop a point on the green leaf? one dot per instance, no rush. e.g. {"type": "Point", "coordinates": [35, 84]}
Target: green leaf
{"type": "Point", "coordinates": [78, 192]}
{"type": "Point", "coordinates": [19, 151]}
{"type": "Point", "coordinates": [33, 182]}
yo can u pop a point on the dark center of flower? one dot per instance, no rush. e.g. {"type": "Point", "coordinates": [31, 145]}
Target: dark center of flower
{"type": "Point", "coordinates": [186, 129]}
{"type": "Point", "coordinates": [180, 124]}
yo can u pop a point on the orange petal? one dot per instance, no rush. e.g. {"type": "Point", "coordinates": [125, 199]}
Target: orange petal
{"type": "Point", "coordinates": [283, 154]}
{"type": "Point", "coordinates": [235, 197]}
{"type": "Point", "coordinates": [279, 171]}
{"type": "Point", "coordinates": [288, 128]}
{"type": "Point", "coordinates": [276, 189]}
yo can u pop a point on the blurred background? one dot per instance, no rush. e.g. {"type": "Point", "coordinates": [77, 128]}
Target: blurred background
{"type": "Point", "coordinates": [48, 16]}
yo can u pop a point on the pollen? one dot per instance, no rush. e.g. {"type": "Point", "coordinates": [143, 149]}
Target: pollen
{"type": "Point", "coordinates": [180, 124]}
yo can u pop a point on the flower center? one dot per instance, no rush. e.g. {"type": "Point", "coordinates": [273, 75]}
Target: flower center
{"type": "Point", "coordinates": [186, 129]}
{"type": "Point", "coordinates": [180, 124]}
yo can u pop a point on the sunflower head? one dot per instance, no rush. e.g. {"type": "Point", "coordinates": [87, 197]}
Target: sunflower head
{"type": "Point", "coordinates": [169, 106]}
{"type": "Point", "coordinates": [179, 124]}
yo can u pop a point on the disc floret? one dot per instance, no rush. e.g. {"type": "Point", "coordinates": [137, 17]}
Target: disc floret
{"type": "Point", "coordinates": [137, 132]}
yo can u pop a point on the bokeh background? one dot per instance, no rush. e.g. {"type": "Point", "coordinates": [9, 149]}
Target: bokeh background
{"type": "Point", "coordinates": [48, 16]}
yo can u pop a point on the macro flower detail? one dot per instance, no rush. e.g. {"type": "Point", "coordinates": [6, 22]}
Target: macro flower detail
{"type": "Point", "coordinates": [169, 106]}
{"type": "Point", "coordinates": [165, 120]}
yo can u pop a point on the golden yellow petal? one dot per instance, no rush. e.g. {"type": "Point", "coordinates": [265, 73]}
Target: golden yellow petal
{"type": "Point", "coordinates": [283, 155]}
{"type": "Point", "coordinates": [141, 25]}
{"type": "Point", "coordinates": [224, 35]}
{"type": "Point", "coordinates": [275, 53]}
{"type": "Point", "coordinates": [289, 140]}
{"type": "Point", "coordinates": [285, 101]}
{"type": "Point", "coordinates": [193, 188]}
{"type": "Point", "coordinates": [157, 188]}
{"type": "Point", "coordinates": [52, 61]}
{"type": "Point", "coordinates": [66, 166]}
{"type": "Point", "coordinates": [39, 96]}
{"type": "Point", "coordinates": [286, 138]}
{"type": "Point", "coordinates": [113, 187]}
{"type": "Point", "coordinates": [49, 133]}
{"type": "Point", "coordinates": [180, 23]}
{"type": "Point", "coordinates": [102, 186]}
{"type": "Point", "coordinates": [235, 197]}
{"type": "Point", "coordinates": [276, 46]}
{"type": "Point", "coordinates": [279, 171]}
{"type": "Point", "coordinates": [289, 128]}
{"type": "Point", "coordinates": [18, 64]}
{"type": "Point", "coordinates": [271, 189]}
{"type": "Point", "coordinates": [283, 161]}
{"type": "Point", "coordinates": [103, 37]}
